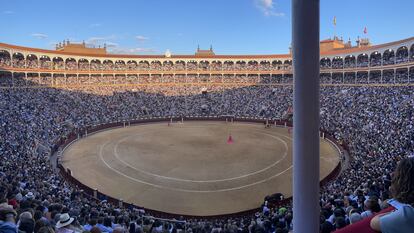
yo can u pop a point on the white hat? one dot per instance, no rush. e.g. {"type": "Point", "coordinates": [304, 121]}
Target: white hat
{"type": "Point", "coordinates": [64, 220]}
{"type": "Point", "coordinates": [29, 195]}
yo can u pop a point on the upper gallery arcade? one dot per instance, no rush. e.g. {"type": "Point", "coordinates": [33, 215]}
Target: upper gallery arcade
{"type": "Point", "coordinates": [79, 59]}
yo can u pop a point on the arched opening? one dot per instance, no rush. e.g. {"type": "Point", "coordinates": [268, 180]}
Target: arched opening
{"type": "Point", "coordinates": [132, 65]}
{"type": "Point", "coordinates": [156, 65]}
{"type": "Point", "coordinates": [192, 65]}
{"type": "Point", "coordinates": [362, 60]}
{"type": "Point", "coordinates": [204, 65]}
{"type": "Point", "coordinates": [45, 62]}
{"type": "Point", "coordinates": [412, 53]}
{"type": "Point", "coordinates": [375, 59]}
{"type": "Point", "coordinates": [228, 65]}
{"type": "Point", "coordinates": [287, 64]}
{"type": "Point", "coordinates": [179, 65]}
{"type": "Point", "coordinates": [83, 64]}
{"type": "Point", "coordinates": [168, 65]}
{"type": "Point", "coordinates": [252, 65]}
{"type": "Point", "coordinates": [144, 65]}
{"type": "Point", "coordinates": [350, 61]}
{"type": "Point", "coordinates": [5, 58]}
{"type": "Point", "coordinates": [264, 65]}
{"type": "Point", "coordinates": [388, 57]}
{"type": "Point", "coordinates": [337, 63]}
{"type": "Point", "coordinates": [32, 62]}
{"type": "Point", "coordinates": [277, 65]}
{"type": "Point", "coordinates": [108, 65]}
{"type": "Point", "coordinates": [401, 55]}
{"type": "Point", "coordinates": [240, 65]}
{"type": "Point", "coordinates": [96, 65]}
{"type": "Point", "coordinates": [70, 64]}
{"type": "Point", "coordinates": [325, 63]}
{"type": "Point", "coordinates": [216, 65]}
{"type": "Point", "coordinates": [120, 65]}
{"type": "Point", "coordinates": [58, 63]}
{"type": "Point", "coordinates": [18, 60]}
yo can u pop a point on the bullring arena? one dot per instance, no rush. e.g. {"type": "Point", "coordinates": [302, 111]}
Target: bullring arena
{"type": "Point", "coordinates": [106, 117]}
{"type": "Point", "coordinates": [191, 168]}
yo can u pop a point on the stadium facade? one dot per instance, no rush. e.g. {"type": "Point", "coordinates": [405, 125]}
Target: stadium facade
{"type": "Point", "coordinates": [76, 64]}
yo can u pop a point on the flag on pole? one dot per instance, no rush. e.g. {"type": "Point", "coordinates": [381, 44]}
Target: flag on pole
{"type": "Point", "coordinates": [334, 20]}
{"type": "Point", "coordinates": [365, 30]}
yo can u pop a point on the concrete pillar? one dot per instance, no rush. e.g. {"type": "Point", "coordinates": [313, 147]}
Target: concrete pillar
{"type": "Point", "coordinates": [395, 74]}
{"type": "Point", "coordinates": [305, 23]}
{"type": "Point", "coordinates": [369, 73]}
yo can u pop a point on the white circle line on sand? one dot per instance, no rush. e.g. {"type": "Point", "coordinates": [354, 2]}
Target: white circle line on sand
{"type": "Point", "coordinates": [188, 190]}
{"type": "Point", "coordinates": [203, 181]}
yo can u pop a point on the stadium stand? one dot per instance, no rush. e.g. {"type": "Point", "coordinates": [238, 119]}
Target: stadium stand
{"type": "Point", "coordinates": [366, 104]}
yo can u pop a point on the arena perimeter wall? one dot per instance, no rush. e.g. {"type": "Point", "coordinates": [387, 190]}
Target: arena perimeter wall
{"type": "Point", "coordinates": [98, 196]}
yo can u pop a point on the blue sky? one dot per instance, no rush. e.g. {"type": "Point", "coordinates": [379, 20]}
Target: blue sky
{"type": "Point", "coordinates": [231, 26]}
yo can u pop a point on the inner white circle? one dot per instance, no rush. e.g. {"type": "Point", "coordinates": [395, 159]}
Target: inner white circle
{"type": "Point", "coordinates": [116, 154]}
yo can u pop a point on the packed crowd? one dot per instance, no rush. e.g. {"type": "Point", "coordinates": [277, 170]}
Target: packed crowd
{"type": "Point", "coordinates": [400, 76]}
{"type": "Point", "coordinates": [375, 122]}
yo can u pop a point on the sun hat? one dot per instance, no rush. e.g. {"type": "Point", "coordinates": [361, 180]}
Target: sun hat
{"type": "Point", "coordinates": [64, 220]}
{"type": "Point", "coordinates": [30, 195]}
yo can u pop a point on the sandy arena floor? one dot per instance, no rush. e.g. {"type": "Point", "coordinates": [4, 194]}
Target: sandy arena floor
{"type": "Point", "coordinates": [190, 168]}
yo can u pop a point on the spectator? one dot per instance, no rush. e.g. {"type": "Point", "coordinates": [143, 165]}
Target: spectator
{"type": "Point", "coordinates": [401, 220]}
{"type": "Point", "coordinates": [8, 220]}
{"type": "Point", "coordinates": [65, 224]}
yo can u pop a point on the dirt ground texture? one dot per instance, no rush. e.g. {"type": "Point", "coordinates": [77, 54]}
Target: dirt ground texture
{"type": "Point", "coordinates": [190, 168]}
